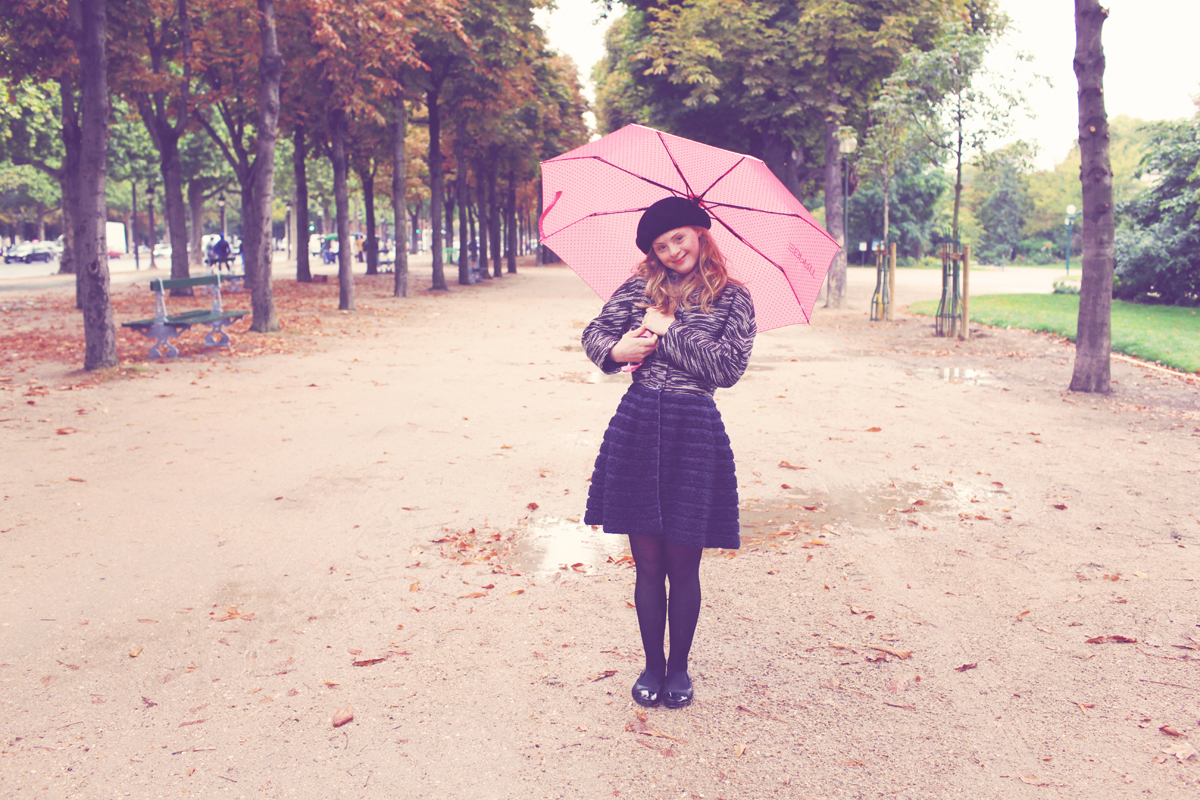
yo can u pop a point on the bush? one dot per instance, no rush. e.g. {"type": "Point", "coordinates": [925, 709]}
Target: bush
{"type": "Point", "coordinates": [1066, 287]}
{"type": "Point", "coordinates": [1157, 245]}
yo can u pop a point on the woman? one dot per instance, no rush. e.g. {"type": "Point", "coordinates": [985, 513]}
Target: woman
{"type": "Point", "coordinates": [665, 474]}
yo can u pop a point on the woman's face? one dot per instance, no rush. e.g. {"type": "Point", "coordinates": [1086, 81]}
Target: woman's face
{"type": "Point", "coordinates": [678, 249]}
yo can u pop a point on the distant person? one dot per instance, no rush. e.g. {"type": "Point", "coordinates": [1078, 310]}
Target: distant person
{"type": "Point", "coordinates": [221, 251]}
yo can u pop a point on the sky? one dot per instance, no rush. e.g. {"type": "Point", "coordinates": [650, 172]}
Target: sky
{"type": "Point", "coordinates": [1152, 60]}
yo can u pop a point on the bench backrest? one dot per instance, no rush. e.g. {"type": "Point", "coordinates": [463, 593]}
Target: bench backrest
{"type": "Point", "coordinates": [160, 284]}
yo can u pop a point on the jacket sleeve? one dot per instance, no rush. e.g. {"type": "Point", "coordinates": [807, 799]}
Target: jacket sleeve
{"type": "Point", "coordinates": [719, 357]}
{"type": "Point", "coordinates": [619, 315]}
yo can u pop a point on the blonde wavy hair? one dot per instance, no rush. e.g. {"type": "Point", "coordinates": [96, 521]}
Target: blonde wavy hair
{"type": "Point", "coordinates": [668, 292]}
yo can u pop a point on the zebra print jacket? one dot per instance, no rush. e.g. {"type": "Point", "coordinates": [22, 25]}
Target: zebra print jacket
{"type": "Point", "coordinates": [700, 351]}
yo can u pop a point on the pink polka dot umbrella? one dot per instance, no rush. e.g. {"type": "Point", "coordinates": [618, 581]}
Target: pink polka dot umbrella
{"type": "Point", "coordinates": [594, 196]}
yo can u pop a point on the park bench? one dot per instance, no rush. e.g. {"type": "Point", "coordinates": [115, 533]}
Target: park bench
{"type": "Point", "coordinates": [166, 326]}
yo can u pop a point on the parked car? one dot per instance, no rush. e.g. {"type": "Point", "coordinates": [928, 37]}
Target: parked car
{"type": "Point", "coordinates": [29, 252]}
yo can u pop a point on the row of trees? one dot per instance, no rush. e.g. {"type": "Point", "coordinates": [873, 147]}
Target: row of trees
{"type": "Point", "coordinates": [1010, 212]}
{"type": "Point", "coordinates": [341, 81]}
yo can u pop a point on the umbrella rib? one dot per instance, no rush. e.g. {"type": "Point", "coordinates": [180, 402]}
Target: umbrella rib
{"type": "Point", "coordinates": [722, 177]}
{"type": "Point", "coordinates": [675, 164]}
{"type": "Point", "coordinates": [546, 236]}
{"type": "Point", "coordinates": [770, 261]}
{"type": "Point", "coordinates": [620, 169]}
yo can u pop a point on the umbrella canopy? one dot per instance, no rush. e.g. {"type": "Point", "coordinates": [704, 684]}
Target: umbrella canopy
{"type": "Point", "coordinates": [594, 196]}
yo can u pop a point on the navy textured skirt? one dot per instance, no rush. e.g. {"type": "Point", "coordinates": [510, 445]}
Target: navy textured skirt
{"type": "Point", "coordinates": [666, 469]}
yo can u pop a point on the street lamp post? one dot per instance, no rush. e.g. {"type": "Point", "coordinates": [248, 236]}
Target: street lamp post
{"type": "Point", "coordinates": [288, 228]}
{"type": "Point", "coordinates": [846, 148]}
{"type": "Point", "coordinates": [221, 204]}
{"type": "Point", "coordinates": [1071, 214]}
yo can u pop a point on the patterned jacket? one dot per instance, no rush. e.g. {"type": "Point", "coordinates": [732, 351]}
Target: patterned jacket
{"type": "Point", "coordinates": [700, 351]}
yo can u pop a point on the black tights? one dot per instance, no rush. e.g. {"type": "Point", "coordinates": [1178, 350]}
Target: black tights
{"type": "Point", "coordinates": [657, 561]}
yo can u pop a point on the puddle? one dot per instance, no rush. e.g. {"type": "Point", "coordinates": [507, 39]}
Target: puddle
{"type": "Point", "coordinates": [971, 377]}
{"type": "Point", "coordinates": [871, 509]}
{"type": "Point", "coordinates": [547, 545]}
{"type": "Point", "coordinates": [550, 543]}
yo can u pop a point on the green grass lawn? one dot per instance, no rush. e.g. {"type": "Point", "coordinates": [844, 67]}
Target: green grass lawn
{"type": "Point", "coordinates": [1169, 335]}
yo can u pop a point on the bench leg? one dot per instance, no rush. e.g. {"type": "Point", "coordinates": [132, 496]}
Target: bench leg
{"type": "Point", "coordinates": [162, 334]}
{"type": "Point", "coordinates": [218, 337]}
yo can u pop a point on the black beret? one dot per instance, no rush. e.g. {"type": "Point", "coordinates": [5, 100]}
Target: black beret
{"type": "Point", "coordinates": [667, 215]}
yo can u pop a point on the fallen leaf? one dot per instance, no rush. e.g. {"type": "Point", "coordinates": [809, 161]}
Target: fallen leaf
{"type": "Point", "coordinates": [786, 465]}
{"type": "Point", "coordinates": [1169, 731]}
{"type": "Point", "coordinates": [860, 610]}
{"type": "Point", "coordinates": [518, 591]}
{"type": "Point", "coordinates": [343, 716]}
{"type": "Point", "coordinates": [366, 662]}
{"type": "Point", "coordinates": [740, 750]}
{"type": "Point", "coordinates": [900, 654]}
{"type": "Point", "coordinates": [332, 683]}
{"type": "Point", "coordinates": [136, 653]}
{"type": "Point", "coordinates": [1111, 640]}
{"type": "Point", "coordinates": [147, 620]}
{"type": "Point", "coordinates": [874, 430]}
{"type": "Point", "coordinates": [608, 673]}
{"type": "Point", "coordinates": [193, 722]}
{"type": "Point", "coordinates": [1033, 780]}
{"type": "Point", "coordinates": [814, 543]}
{"type": "Point", "coordinates": [532, 506]}
{"type": "Point", "coordinates": [966, 667]}
{"type": "Point", "coordinates": [1183, 751]}
{"type": "Point", "coordinates": [1060, 507]}
{"type": "Point", "coordinates": [66, 431]}
{"type": "Point", "coordinates": [472, 595]}
{"type": "Point", "coordinates": [784, 486]}
{"type": "Point", "coordinates": [149, 703]}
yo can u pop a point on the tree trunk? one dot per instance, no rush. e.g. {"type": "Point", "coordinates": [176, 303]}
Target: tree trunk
{"type": "Point", "coordinates": [88, 25]}
{"type": "Point", "coordinates": [341, 202]}
{"type": "Point", "coordinates": [72, 144]}
{"type": "Point", "coordinates": [460, 199]}
{"type": "Point", "coordinates": [257, 244]}
{"type": "Point", "coordinates": [481, 203]}
{"type": "Point", "coordinates": [371, 246]}
{"type": "Point", "coordinates": [1093, 343]}
{"type": "Point", "coordinates": [435, 187]}
{"type": "Point", "coordinates": [41, 221]}
{"type": "Point", "coordinates": [300, 173]}
{"type": "Point", "coordinates": [133, 225]}
{"type": "Point", "coordinates": [150, 223]}
{"type": "Point", "coordinates": [399, 192]}
{"type": "Point", "coordinates": [958, 184]}
{"type": "Point", "coordinates": [195, 195]}
{"type": "Point", "coordinates": [511, 220]}
{"type": "Point", "coordinates": [836, 295]}
{"type": "Point", "coordinates": [176, 213]}
{"type": "Point", "coordinates": [494, 218]}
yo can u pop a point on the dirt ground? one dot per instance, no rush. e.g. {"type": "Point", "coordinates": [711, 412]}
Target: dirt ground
{"type": "Point", "coordinates": [957, 578]}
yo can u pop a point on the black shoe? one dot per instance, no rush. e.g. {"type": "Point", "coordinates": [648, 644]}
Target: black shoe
{"type": "Point", "coordinates": [678, 698]}
{"type": "Point", "coordinates": [647, 691]}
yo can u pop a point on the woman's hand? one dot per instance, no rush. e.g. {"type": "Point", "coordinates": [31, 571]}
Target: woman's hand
{"type": "Point", "coordinates": [634, 345]}
{"type": "Point", "coordinates": [657, 321]}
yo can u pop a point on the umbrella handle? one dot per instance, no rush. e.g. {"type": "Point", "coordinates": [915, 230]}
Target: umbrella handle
{"type": "Point", "coordinates": [631, 367]}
